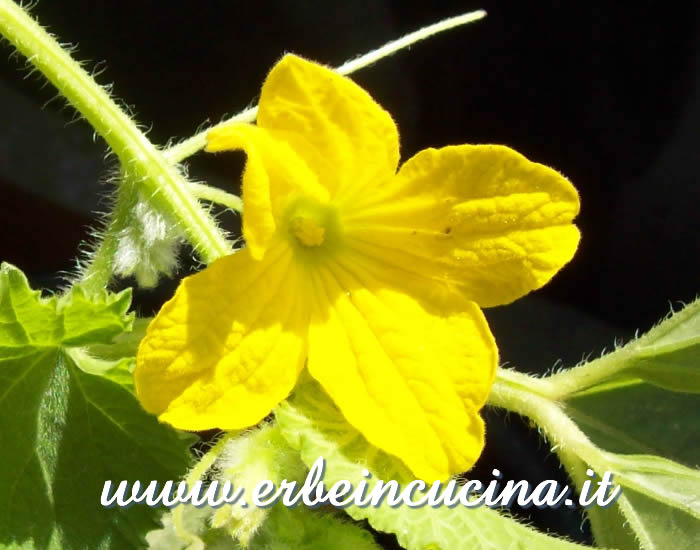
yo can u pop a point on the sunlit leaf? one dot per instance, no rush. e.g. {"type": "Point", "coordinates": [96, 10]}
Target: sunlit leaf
{"type": "Point", "coordinates": [650, 406]}
{"type": "Point", "coordinates": [65, 431]}
{"type": "Point", "coordinates": [669, 354]}
{"type": "Point", "coordinates": [639, 418]}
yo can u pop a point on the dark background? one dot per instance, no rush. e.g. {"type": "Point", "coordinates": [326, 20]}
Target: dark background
{"type": "Point", "coordinates": [607, 95]}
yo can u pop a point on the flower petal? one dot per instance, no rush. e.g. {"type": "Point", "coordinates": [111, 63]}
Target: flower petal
{"type": "Point", "coordinates": [340, 131]}
{"type": "Point", "coordinates": [228, 346]}
{"type": "Point", "coordinates": [479, 218]}
{"type": "Point", "coordinates": [411, 379]}
{"type": "Point", "coordinates": [273, 173]}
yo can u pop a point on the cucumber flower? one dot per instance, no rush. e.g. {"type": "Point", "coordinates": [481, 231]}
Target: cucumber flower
{"type": "Point", "coordinates": [369, 277]}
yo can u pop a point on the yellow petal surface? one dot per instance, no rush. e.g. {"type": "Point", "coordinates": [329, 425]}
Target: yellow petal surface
{"type": "Point", "coordinates": [228, 346]}
{"type": "Point", "coordinates": [340, 131]}
{"type": "Point", "coordinates": [274, 173]}
{"type": "Point", "coordinates": [409, 377]}
{"type": "Point", "coordinates": [479, 218]}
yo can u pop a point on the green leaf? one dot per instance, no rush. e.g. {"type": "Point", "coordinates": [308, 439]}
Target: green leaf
{"type": "Point", "coordinates": [632, 412]}
{"type": "Point", "coordinates": [312, 424]}
{"type": "Point", "coordinates": [640, 418]}
{"type": "Point", "coordinates": [123, 345]}
{"type": "Point", "coordinates": [653, 509]}
{"type": "Point", "coordinates": [117, 370]}
{"type": "Point", "coordinates": [98, 318]}
{"type": "Point", "coordinates": [663, 480]}
{"type": "Point", "coordinates": [286, 528]}
{"type": "Point", "coordinates": [28, 321]}
{"type": "Point", "coordinates": [610, 529]}
{"type": "Point", "coordinates": [669, 354]}
{"type": "Point", "coordinates": [636, 521]}
{"type": "Point", "coordinates": [65, 431]}
{"type": "Point", "coordinates": [304, 529]}
{"type": "Point", "coordinates": [115, 360]}
{"type": "Point", "coordinates": [659, 500]}
{"type": "Point", "coordinates": [194, 520]}
{"type": "Point", "coordinates": [657, 527]}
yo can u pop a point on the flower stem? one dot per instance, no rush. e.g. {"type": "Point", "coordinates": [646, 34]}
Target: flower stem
{"type": "Point", "coordinates": [208, 193]}
{"type": "Point", "coordinates": [158, 179]}
{"type": "Point", "coordinates": [547, 414]}
{"type": "Point", "coordinates": [570, 381]}
{"type": "Point", "coordinates": [539, 386]}
{"type": "Point", "coordinates": [195, 474]}
{"type": "Point", "coordinates": [197, 142]}
{"type": "Point", "coordinates": [566, 438]}
{"type": "Point", "coordinates": [98, 272]}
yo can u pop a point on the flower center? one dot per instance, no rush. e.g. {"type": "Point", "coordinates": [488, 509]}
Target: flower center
{"type": "Point", "coordinates": [307, 231]}
{"type": "Point", "coordinates": [313, 228]}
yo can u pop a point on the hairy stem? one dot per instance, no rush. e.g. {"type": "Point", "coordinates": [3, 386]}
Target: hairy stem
{"type": "Point", "coordinates": [158, 179]}
{"type": "Point", "coordinates": [548, 415]}
{"type": "Point", "coordinates": [98, 272]}
{"type": "Point", "coordinates": [570, 381]}
{"type": "Point", "coordinates": [219, 196]}
{"type": "Point", "coordinates": [195, 474]}
{"type": "Point", "coordinates": [564, 435]}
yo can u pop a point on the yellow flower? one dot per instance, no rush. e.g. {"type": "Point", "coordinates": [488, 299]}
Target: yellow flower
{"type": "Point", "coordinates": [369, 277]}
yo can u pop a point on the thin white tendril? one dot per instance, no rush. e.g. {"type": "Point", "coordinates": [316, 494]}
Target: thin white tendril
{"type": "Point", "coordinates": [405, 41]}
{"type": "Point", "coordinates": [197, 142]}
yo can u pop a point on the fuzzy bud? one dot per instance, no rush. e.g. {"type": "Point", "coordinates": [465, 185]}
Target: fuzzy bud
{"type": "Point", "coordinates": [148, 247]}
